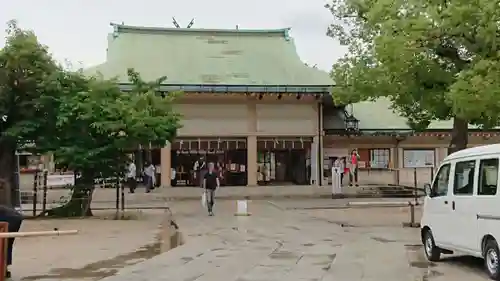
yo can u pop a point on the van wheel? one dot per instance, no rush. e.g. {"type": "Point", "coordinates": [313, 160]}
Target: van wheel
{"type": "Point", "coordinates": [491, 259]}
{"type": "Point", "coordinates": [432, 252]}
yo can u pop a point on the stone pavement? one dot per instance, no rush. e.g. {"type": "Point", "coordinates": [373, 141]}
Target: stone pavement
{"type": "Point", "coordinates": [101, 247]}
{"type": "Point", "coordinates": [284, 244]}
{"type": "Point", "coordinates": [105, 198]}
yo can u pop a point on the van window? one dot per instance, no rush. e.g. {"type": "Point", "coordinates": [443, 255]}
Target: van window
{"type": "Point", "coordinates": [488, 177]}
{"type": "Point", "coordinates": [440, 185]}
{"type": "Point", "coordinates": [464, 178]}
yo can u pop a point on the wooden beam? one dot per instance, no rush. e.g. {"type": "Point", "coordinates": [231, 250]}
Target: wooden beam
{"type": "Point", "coordinates": [37, 233]}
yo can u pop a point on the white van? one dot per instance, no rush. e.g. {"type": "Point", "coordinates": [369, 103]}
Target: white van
{"type": "Point", "coordinates": [462, 207]}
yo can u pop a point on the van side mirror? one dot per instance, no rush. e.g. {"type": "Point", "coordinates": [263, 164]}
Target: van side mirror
{"type": "Point", "coordinates": [428, 190]}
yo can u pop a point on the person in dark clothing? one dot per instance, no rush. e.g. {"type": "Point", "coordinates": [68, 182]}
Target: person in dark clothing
{"type": "Point", "coordinates": [210, 183]}
{"type": "Point", "coordinates": [200, 170]}
{"type": "Point", "coordinates": [15, 220]}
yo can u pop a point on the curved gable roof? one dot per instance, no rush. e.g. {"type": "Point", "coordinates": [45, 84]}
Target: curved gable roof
{"type": "Point", "coordinates": [208, 56]}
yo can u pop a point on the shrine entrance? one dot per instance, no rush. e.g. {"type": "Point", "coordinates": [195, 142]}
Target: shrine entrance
{"type": "Point", "coordinates": [284, 161]}
{"type": "Point", "coordinates": [228, 154]}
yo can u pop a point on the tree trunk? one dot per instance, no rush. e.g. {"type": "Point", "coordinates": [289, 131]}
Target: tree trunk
{"type": "Point", "coordinates": [80, 201]}
{"type": "Point", "coordinates": [7, 170]}
{"type": "Point", "coordinates": [459, 135]}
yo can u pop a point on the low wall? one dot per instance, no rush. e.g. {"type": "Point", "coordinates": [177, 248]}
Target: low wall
{"type": "Point", "coordinates": [404, 176]}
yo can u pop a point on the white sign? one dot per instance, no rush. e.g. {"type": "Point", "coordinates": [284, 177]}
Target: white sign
{"type": "Point", "coordinates": [418, 158]}
{"type": "Point", "coordinates": [60, 180]}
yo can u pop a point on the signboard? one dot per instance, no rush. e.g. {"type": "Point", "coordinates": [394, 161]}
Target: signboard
{"type": "Point", "coordinates": [60, 180]}
{"type": "Point", "coordinates": [418, 158]}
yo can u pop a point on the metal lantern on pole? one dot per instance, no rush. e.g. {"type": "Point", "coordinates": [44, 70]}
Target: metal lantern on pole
{"type": "Point", "coordinates": [351, 124]}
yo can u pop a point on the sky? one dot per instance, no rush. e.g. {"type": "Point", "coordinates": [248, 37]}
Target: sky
{"type": "Point", "coordinates": [76, 30]}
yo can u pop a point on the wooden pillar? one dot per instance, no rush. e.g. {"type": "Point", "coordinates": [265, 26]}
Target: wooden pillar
{"type": "Point", "coordinates": [394, 153]}
{"type": "Point", "coordinates": [252, 144]}
{"type": "Point", "coordinates": [321, 179]}
{"type": "Point", "coordinates": [166, 165]}
{"type": "Point", "coordinates": [316, 170]}
{"type": "Point", "coordinates": [252, 160]}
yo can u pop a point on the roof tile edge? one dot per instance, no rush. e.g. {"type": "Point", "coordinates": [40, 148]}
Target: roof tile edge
{"type": "Point", "coordinates": [121, 28]}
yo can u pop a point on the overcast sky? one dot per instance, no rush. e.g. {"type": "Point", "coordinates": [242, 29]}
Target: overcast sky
{"type": "Point", "coordinates": [76, 30]}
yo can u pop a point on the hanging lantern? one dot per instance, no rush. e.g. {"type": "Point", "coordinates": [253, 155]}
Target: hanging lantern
{"type": "Point", "coordinates": [351, 124]}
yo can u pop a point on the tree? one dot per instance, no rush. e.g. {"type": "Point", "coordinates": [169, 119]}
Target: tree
{"type": "Point", "coordinates": [89, 124]}
{"type": "Point", "coordinates": [98, 126]}
{"type": "Point", "coordinates": [435, 60]}
{"type": "Point", "coordinates": [25, 66]}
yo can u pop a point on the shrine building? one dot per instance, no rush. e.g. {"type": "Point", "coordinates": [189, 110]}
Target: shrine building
{"type": "Point", "coordinates": [253, 107]}
{"type": "Point", "coordinates": [249, 104]}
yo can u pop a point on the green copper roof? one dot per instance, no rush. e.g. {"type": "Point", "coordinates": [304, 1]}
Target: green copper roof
{"type": "Point", "coordinates": [378, 116]}
{"type": "Point", "coordinates": [208, 57]}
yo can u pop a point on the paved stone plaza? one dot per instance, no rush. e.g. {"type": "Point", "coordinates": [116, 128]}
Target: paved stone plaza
{"type": "Point", "coordinates": [282, 240]}
{"type": "Point", "coordinates": [105, 198]}
{"type": "Point", "coordinates": [277, 243]}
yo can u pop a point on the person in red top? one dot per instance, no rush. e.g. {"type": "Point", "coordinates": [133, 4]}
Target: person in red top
{"type": "Point", "coordinates": [353, 173]}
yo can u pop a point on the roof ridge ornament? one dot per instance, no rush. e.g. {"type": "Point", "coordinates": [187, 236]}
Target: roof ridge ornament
{"type": "Point", "coordinates": [177, 25]}
{"type": "Point", "coordinates": [286, 32]}
{"type": "Point", "coordinates": [116, 27]}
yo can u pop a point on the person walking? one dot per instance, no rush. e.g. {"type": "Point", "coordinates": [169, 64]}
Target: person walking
{"type": "Point", "coordinates": [210, 183]}
{"type": "Point", "coordinates": [149, 176]}
{"type": "Point", "coordinates": [353, 173]}
{"type": "Point", "coordinates": [131, 176]}
{"type": "Point", "coordinates": [346, 168]}
{"type": "Point", "coordinates": [14, 218]}
{"type": "Point", "coordinates": [199, 171]}
{"type": "Point", "coordinates": [339, 164]}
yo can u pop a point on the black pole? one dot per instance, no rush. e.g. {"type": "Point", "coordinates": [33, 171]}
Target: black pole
{"type": "Point", "coordinates": [117, 195]}
{"type": "Point", "coordinates": [35, 191]}
{"type": "Point", "coordinates": [432, 175]}
{"type": "Point", "coordinates": [122, 188]}
{"type": "Point", "coordinates": [15, 189]}
{"type": "Point", "coordinates": [412, 215]}
{"type": "Point", "coordinates": [44, 199]}
{"type": "Point", "coordinates": [415, 191]}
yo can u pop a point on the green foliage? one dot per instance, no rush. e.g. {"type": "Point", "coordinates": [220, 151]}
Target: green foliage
{"type": "Point", "coordinates": [98, 125]}
{"type": "Point", "coordinates": [88, 123]}
{"type": "Point", "coordinates": [25, 66]}
{"type": "Point", "coordinates": [434, 60]}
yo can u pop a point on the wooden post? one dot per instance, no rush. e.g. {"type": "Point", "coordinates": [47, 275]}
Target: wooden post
{"type": "Point", "coordinates": [35, 192]}
{"type": "Point", "coordinates": [170, 235]}
{"type": "Point", "coordinates": [415, 190]}
{"type": "Point", "coordinates": [37, 233]}
{"type": "Point", "coordinates": [117, 197]}
{"type": "Point", "coordinates": [44, 199]}
{"type": "Point", "coordinates": [4, 227]}
{"type": "Point", "coordinates": [165, 232]}
{"type": "Point", "coordinates": [122, 188]}
{"type": "Point", "coordinates": [412, 222]}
